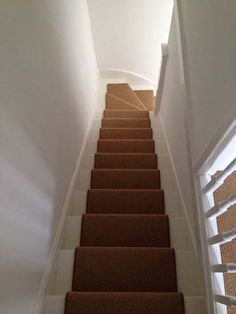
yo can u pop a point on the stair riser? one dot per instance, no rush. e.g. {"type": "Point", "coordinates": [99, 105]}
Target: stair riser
{"type": "Point", "coordinates": [132, 114]}
{"type": "Point", "coordinates": [126, 161]}
{"type": "Point", "coordinates": [126, 123]}
{"type": "Point", "coordinates": [122, 134]}
{"type": "Point", "coordinates": [125, 230]}
{"type": "Point", "coordinates": [125, 303]}
{"type": "Point", "coordinates": [124, 269]}
{"type": "Point", "coordinates": [125, 201]}
{"type": "Point", "coordinates": [106, 146]}
{"type": "Point", "coordinates": [121, 179]}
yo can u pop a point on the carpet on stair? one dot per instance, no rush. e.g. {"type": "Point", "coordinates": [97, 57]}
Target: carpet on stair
{"type": "Point", "coordinates": [125, 92]}
{"type": "Point", "coordinates": [125, 161]}
{"type": "Point", "coordinates": [125, 230]}
{"type": "Point", "coordinates": [126, 146]}
{"type": "Point", "coordinates": [133, 114]}
{"type": "Point", "coordinates": [124, 303]}
{"type": "Point", "coordinates": [116, 103]}
{"type": "Point", "coordinates": [147, 98]}
{"type": "Point", "coordinates": [125, 179]}
{"type": "Point", "coordinates": [126, 133]}
{"type": "Point", "coordinates": [125, 123]}
{"type": "Point", "coordinates": [125, 201]}
{"type": "Point", "coordinates": [124, 269]}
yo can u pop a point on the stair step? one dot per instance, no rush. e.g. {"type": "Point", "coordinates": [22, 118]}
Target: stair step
{"type": "Point", "coordinates": [124, 303]}
{"type": "Point", "coordinates": [125, 201]}
{"type": "Point", "coordinates": [125, 92]}
{"type": "Point", "coordinates": [126, 133]}
{"type": "Point", "coordinates": [124, 269]}
{"type": "Point", "coordinates": [114, 103]}
{"type": "Point", "coordinates": [126, 146]}
{"type": "Point", "coordinates": [125, 123]}
{"type": "Point", "coordinates": [125, 179]}
{"type": "Point", "coordinates": [126, 114]}
{"type": "Point", "coordinates": [147, 98]}
{"type": "Point", "coordinates": [125, 230]}
{"type": "Point", "coordinates": [125, 161]}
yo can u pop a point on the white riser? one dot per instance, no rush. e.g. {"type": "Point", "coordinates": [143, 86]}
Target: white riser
{"type": "Point", "coordinates": [195, 305]}
{"type": "Point", "coordinates": [83, 180]}
{"type": "Point", "coordinates": [96, 124]}
{"type": "Point", "coordinates": [64, 272]}
{"type": "Point", "coordinates": [99, 114]}
{"type": "Point", "coordinates": [72, 231]}
{"type": "Point", "coordinates": [157, 129]}
{"type": "Point", "coordinates": [91, 148]}
{"type": "Point", "coordinates": [55, 305]}
{"type": "Point", "coordinates": [164, 163]}
{"type": "Point", "coordinates": [173, 205]}
{"type": "Point", "coordinates": [87, 163]}
{"type": "Point", "coordinates": [168, 182]}
{"type": "Point", "coordinates": [189, 277]}
{"type": "Point", "coordinates": [78, 203]}
{"type": "Point", "coordinates": [179, 234]}
{"type": "Point", "coordinates": [93, 134]}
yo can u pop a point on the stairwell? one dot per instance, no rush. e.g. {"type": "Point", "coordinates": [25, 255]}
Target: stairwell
{"type": "Point", "coordinates": [126, 262]}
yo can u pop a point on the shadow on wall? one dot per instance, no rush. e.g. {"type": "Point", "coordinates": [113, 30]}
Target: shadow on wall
{"type": "Point", "coordinates": [48, 83]}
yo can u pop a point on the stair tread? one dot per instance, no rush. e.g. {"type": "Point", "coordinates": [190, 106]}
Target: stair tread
{"type": "Point", "coordinates": [128, 140]}
{"type": "Point", "coordinates": [126, 119]}
{"type": "Point", "coordinates": [125, 161]}
{"type": "Point", "coordinates": [124, 269]}
{"type": "Point", "coordinates": [125, 178]}
{"type": "Point", "coordinates": [125, 230]}
{"type": "Point", "coordinates": [124, 302]}
{"type": "Point", "coordinates": [125, 133]}
{"type": "Point", "coordinates": [125, 201]}
{"type": "Point", "coordinates": [125, 122]}
{"type": "Point", "coordinates": [126, 145]}
{"type": "Point", "coordinates": [125, 113]}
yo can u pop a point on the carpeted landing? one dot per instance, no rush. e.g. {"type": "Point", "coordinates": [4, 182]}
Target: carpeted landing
{"type": "Point", "coordinates": [125, 264]}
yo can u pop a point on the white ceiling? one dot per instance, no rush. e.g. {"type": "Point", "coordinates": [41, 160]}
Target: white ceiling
{"type": "Point", "coordinates": [128, 34]}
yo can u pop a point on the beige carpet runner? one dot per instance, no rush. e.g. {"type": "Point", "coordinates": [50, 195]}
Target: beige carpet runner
{"type": "Point", "coordinates": [124, 264]}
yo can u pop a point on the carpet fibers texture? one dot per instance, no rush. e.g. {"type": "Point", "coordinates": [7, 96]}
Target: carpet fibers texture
{"type": "Point", "coordinates": [124, 264]}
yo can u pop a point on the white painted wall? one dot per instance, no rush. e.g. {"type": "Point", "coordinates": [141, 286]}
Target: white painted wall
{"type": "Point", "coordinates": [209, 49]}
{"type": "Point", "coordinates": [209, 30]}
{"type": "Point", "coordinates": [48, 85]}
{"type": "Point", "coordinates": [195, 124]}
{"type": "Point", "coordinates": [128, 34]}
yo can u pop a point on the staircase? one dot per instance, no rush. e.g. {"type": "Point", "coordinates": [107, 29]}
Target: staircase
{"type": "Point", "coordinates": [125, 263]}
